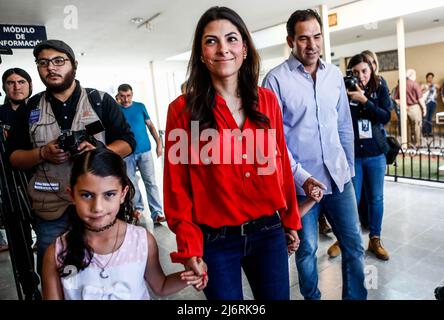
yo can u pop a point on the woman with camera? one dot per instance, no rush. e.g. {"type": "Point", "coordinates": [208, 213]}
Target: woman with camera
{"type": "Point", "coordinates": [370, 107]}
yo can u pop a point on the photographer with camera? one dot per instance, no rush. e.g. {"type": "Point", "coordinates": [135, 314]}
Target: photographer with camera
{"type": "Point", "coordinates": [64, 109]}
{"type": "Point", "coordinates": [370, 107]}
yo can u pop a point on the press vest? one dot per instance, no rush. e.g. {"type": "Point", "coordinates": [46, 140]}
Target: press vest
{"type": "Point", "coordinates": [48, 186]}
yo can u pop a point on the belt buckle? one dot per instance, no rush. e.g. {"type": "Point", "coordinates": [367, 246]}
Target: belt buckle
{"type": "Point", "coordinates": [243, 228]}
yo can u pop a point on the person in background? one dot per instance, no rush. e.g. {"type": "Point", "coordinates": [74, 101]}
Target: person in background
{"type": "Point", "coordinates": [319, 133]}
{"type": "Point", "coordinates": [17, 84]}
{"type": "Point", "coordinates": [430, 101]}
{"type": "Point", "coordinates": [334, 250]}
{"type": "Point", "coordinates": [416, 108]}
{"type": "Point", "coordinates": [442, 92]}
{"type": "Point", "coordinates": [372, 112]}
{"type": "Point", "coordinates": [142, 159]}
{"type": "Point", "coordinates": [102, 257]}
{"type": "Point", "coordinates": [230, 211]}
{"type": "Point", "coordinates": [117, 97]}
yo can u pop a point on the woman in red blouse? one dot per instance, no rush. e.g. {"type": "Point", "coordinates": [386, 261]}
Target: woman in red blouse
{"type": "Point", "coordinates": [228, 187]}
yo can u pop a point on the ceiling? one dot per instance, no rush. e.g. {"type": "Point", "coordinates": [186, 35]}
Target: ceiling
{"type": "Point", "coordinates": [106, 35]}
{"type": "Point", "coordinates": [412, 22]}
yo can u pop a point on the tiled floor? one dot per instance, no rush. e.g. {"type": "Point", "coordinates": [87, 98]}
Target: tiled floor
{"type": "Point", "coordinates": [413, 233]}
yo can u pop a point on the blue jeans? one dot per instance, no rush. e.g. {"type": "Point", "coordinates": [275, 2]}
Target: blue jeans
{"type": "Point", "coordinates": [371, 172]}
{"type": "Point", "coordinates": [3, 241]}
{"type": "Point", "coordinates": [144, 161]}
{"type": "Point", "coordinates": [263, 257]}
{"type": "Point", "coordinates": [342, 213]}
{"type": "Point", "coordinates": [47, 231]}
{"type": "Point", "coordinates": [427, 120]}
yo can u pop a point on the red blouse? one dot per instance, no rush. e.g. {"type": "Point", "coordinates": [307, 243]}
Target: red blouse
{"type": "Point", "coordinates": [235, 177]}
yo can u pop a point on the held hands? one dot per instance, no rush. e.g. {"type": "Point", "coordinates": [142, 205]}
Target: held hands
{"type": "Point", "coordinates": [357, 95]}
{"type": "Point", "coordinates": [313, 189]}
{"type": "Point", "coordinates": [292, 241]}
{"type": "Point", "coordinates": [196, 273]}
{"type": "Point", "coordinates": [316, 194]}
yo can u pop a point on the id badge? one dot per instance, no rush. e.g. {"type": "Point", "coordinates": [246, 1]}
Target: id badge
{"type": "Point", "coordinates": [365, 129]}
{"type": "Point", "coordinates": [47, 186]}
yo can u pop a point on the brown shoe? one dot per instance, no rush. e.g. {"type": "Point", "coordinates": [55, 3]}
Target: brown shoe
{"type": "Point", "coordinates": [324, 227]}
{"type": "Point", "coordinates": [334, 250]}
{"type": "Point", "coordinates": [4, 247]}
{"type": "Point", "coordinates": [375, 246]}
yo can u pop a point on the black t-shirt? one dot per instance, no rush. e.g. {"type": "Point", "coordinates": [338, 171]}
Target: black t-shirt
{"type": "Point", "coordinates": [8, 116]}
{"type": "Point", "coordinates": [112, 118]}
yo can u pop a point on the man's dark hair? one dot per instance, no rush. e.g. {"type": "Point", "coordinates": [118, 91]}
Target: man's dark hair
{"type": "Point", "coordinates": [430, 74]}
{"type": "Point", "coordinates": [301, 15]}
{"type": "Point", "coordinates": [124, 87]}
{"type": "Point", "coordinates": [22, 73]}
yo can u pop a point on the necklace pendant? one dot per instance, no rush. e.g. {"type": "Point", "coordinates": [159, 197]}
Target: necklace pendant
{"type": "Point", "coordinates": [103, 275]}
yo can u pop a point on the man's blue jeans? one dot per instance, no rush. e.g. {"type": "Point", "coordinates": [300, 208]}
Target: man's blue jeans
{"type": "Point", "coordinates": [144, 161]}
{"type": "Point", "coordinates": [342, 213]}
{"type": "Point", "coordinates": [370, 171]}
{"type": "Point", "coordinates": [47, 231]}
{"type": "Point", "coordinates": [427, 120]}
{"type": "Point", "coordinates": [263, 257]}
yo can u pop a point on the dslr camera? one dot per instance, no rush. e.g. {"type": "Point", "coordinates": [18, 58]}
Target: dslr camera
{"type": "Point", "coordinates": [70, 140]}
{"type": "Point", "coordinates": [351, 81]}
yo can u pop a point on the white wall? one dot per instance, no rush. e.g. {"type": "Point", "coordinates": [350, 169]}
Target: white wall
{"type": "Point", "coordinates": [377, 10]}
{"type": "Point", "coordinates": [412, 39]}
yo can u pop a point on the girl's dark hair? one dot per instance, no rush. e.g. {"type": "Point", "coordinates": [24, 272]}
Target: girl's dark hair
{"type": "Point", "coordinates": [200, 94]}
{"type": "Point", "coordinates": [103, 163]}
{"type": "Point", "coordinates": [373, 83]}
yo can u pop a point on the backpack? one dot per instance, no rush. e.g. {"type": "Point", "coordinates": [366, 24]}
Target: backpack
{"type": "Point", "coordinates": [393, 151]}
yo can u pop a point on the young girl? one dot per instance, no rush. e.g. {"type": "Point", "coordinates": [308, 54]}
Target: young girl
{"type": "Point", "coordinates": [102, 257]}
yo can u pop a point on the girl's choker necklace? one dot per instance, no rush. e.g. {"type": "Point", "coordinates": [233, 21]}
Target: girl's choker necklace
{"type": "Point", "coordinates": [102, 228]}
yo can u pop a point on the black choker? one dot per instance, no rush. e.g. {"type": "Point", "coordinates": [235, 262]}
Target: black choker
{"type": "Point", "coordinates": [102, 228]}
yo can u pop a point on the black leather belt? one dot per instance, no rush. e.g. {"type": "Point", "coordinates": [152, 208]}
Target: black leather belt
{"type": "Point", "coordinates": [245, 228]}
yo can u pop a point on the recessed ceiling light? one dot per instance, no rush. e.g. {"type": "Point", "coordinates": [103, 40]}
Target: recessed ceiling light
{"type": "Point", "coordinates": [136, 20]}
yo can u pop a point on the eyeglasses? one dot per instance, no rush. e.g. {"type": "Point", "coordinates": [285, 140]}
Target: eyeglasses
{"type": "Point", "coordinates": [57, 61]}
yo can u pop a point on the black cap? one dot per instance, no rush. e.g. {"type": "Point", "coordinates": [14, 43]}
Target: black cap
{"type": "Point", "coordinates": [58, 45]}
